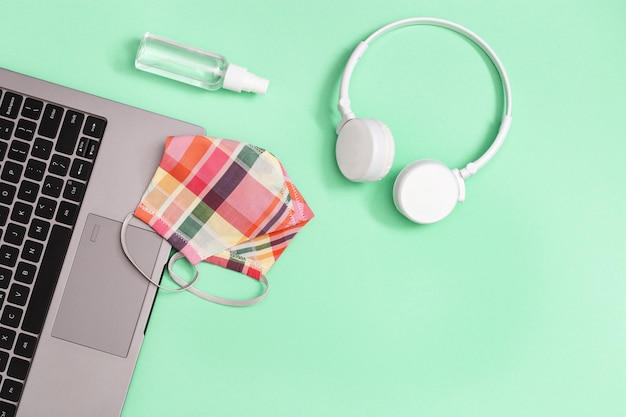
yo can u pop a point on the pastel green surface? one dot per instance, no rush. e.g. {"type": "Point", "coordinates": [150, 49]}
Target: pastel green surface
{"type": "Point", "coordinates": [512, 306]}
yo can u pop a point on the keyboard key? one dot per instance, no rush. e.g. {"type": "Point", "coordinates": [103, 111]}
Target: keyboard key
{"type": "Point", "coordinates": [4, 215]}
{"type": "Point", "coordinates": [8, 255]}
{"type": "Point", "coordinates": [5, 277]}
{"type": "Point", "coordinates": [7, 410]}
{"type": "Point", "coordinates": [46, 208]}
{"type": "Point", "coordinates": [4, 360]}
{"type": "Point", "coordinates": [18, 368]}
{"type": "Point", "coordinates": [50, 121]}
{"type": "Point", "coordinates": [81, 169]}
{"type": "Point", "coordinates": [21, 212]}
{"type": "Point", "coordinates": [42, 148]}
{"type": "Point", "coordinates": [94, 127]}
{"type": "Point", "coordinates": [11, 390]}
{"type": "Point", "coordinates": [52, 186]}
{"type": "Point", "coordinates": [92, 149]}
{"type": "Point", "coordinates": [18, 150]}
{"type": "Point", "coordinates": [47, 278]}
{"type": "Point", "coordinates": [25, 129]}
{"type": "Point", "coordinates": [38, 229]}
{"type": "Point", "coordinates": [59, 165]}
{"type": "Point", "coordinates": [7, 337]}
{"type": "Point", "coordinates": [15, 234]}
{"type": "Point", "coordinates": [66, 143]}
{"type": "Point", "coordinates": [83, 143]}
{"type": "Point", "coordinates": [32, 108]}
{"type": "Point", "coordinates": [10, 106]}
{"type": "Point", "coordinates": [6, 129]}
{"type": "Point", "coordinates": [25, 272]}
{"type": "Point", "coordinates": [11, 316]}
{"type": "Point", "coordinates": [32, 251]}
{"type": "Point", "coordinates": [28, 191]}
{"type": "Point", "coordinates": [18, 294]}
{"type": "Point", "coordinates": [11, 172]}
{"type": "Point", "coordinates": [7, 192]}
{"type": "Point", "coordinates": [67, 213]}
{"type": "Point", "coordinates": [74, 190]}
{"type": "Point", "coordinates": [35, 170]}
{"type": "Point", "coordinates": [25, 345]}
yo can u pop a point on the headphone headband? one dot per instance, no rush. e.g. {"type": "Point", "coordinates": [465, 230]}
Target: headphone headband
{"type": "Point", "coordinates": [344, 99]}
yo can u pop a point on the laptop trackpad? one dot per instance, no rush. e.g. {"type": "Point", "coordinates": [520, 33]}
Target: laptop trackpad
{"type": "Point", "coordinates": [105, 293]}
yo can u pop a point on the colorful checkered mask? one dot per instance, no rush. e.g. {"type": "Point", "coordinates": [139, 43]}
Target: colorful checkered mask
{"type": "Point", "coordinates": [224, 202]}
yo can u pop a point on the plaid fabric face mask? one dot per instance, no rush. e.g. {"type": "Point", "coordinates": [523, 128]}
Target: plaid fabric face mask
{"type": "Point", "coordinates": [224, 202]}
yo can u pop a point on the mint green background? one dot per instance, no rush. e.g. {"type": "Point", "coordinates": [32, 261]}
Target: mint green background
{"type": "Point", "coordinates": [512, 306]}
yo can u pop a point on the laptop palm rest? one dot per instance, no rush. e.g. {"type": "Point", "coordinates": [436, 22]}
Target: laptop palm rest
{"type": "Point", "coordinates": [104, 295]}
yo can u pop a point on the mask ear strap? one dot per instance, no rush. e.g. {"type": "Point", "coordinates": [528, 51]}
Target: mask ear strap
{"type": "Point", "coordinates": [213, 298]}
{"type": "Point", "coordinates": [183, 284]}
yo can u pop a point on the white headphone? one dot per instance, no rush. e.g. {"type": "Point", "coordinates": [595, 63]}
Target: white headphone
{"type": "Point", "coordinates": [425, 191]}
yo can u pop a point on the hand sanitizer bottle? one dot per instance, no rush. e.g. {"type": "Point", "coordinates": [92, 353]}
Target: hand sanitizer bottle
{"type": "Point", "coordinates": [194, 66]}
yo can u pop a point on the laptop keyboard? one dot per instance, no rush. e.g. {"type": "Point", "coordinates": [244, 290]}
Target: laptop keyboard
{"type": "Point", "coordinates": [47, 153]}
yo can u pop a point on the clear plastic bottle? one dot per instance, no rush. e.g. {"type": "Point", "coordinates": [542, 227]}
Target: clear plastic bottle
{"type": "Point", "coordinates": [194, 66]}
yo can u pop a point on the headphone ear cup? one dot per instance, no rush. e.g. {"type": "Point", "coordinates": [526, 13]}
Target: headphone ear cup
{"type": "Point", "coordinates": [365, 150]}
{"type": "Point", "coordinates": [426, 191]}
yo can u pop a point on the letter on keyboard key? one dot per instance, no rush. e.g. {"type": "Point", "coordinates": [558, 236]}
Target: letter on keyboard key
{"type": "Point", "coordinates": [7, 192]}
{"type": "Point", "coordinates": [8, 255]}
{"type": "Point", "coordinates": [11, 316]}
{"type": "Point", "coordinates": [5, 279]}
{"type": "Point", "coordinates": [12, 172]}
{"type": "Point", "coordinates": [7, 337]}
{"type": "Point", "coordinates": [21, 212]}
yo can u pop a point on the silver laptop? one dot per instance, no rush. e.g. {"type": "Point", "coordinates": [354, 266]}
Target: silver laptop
{"type": "Point", "coordinates": [73, 311]}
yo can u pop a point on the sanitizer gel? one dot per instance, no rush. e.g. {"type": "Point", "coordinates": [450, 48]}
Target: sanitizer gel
{"type": "Point", "coordinates": [194, 66]}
